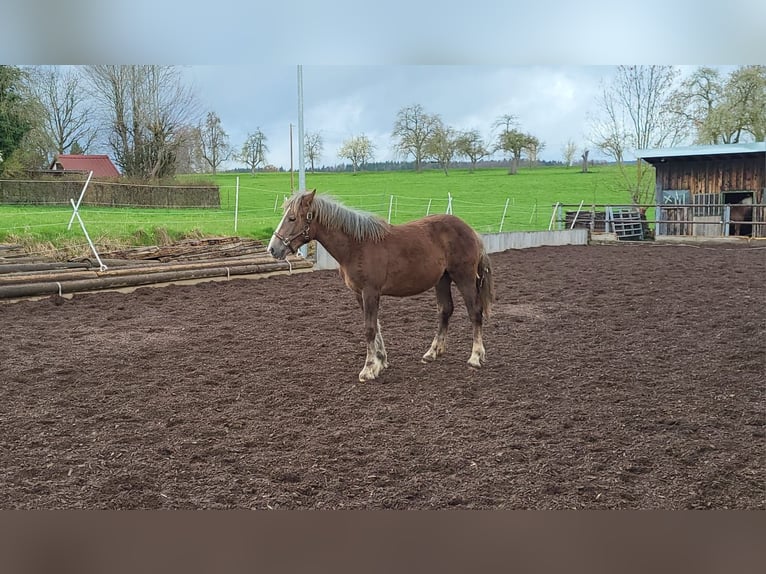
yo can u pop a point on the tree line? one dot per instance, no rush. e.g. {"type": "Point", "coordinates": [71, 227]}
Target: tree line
{"type": "Point", "coordinates": [151, 123]}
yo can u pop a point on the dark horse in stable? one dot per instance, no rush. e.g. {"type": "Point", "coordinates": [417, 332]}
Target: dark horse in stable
{"type": "Point", "coordinates": [741, 215]}
{"type": "Point", "coordinates": [377, 258]}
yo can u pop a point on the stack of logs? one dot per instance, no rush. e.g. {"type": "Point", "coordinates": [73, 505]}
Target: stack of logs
{"type": "Point", "coordinates": [194, 259]}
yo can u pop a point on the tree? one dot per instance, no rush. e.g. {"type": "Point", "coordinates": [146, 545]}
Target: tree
{"type": "Point", "coordinates": [637, 112]}
{"type": "Point", "coordinates": [510, 140]}
{"type": "Point", "coordinates": [724, 110]}
{"type": "Point", "coordinates": [569, 151]}
{"type": "Point", "coordinates": [533, 148]}
{"type": "Point", "coordinates": [358, 150]}
{"type": "Point", "coordinates": [745, 102]}
{"type": "Point", "coordinates": [66, 119]}
{"type": "Point", "coordinates": [413, 128]}
{"type": "Point", "coordinates": [441, 146]}
{"type": "Point", "coordinates": [144, 107]}
{"type": "Point", "coordinates": [254, 150]}
{"type": "Point", "coordinates": [313, 148]}
{"type": "Point", "coordinates": [189, 154]}
{"type": "Point", "coordinates": [506, 122]}
{"type": "Point", "coordinates": [15, 120]}
{"type": "Point", "coordinates": [514, 142]}
{"type": "Point", "coordinates": [471, 145]}
{"type": "Point", "coordinates": [214, 141]}
{"type": "Point", "coordinates": [695, 102]}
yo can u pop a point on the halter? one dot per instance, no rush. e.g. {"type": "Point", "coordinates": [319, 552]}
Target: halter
{"type": "Point", "coordinates": [287, 241]}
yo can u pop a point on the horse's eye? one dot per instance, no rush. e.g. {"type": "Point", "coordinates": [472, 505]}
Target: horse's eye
{"type": "Point", "coordinates": [291, 218]}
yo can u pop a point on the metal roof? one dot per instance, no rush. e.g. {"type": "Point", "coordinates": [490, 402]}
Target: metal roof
{"type": "Point", "coordinates": [100, 165]}
{"type": "Point", "coordinates": [720, 151]}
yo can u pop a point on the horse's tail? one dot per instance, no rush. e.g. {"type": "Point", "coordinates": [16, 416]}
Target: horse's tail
{"type": "Point", "coordinates": [485, 285]}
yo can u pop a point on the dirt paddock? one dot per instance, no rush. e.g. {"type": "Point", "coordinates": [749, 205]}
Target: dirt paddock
{"type": "Point", "coordinates": [618, 376]}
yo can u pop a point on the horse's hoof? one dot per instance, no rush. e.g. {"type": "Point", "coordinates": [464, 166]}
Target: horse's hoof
{"type": "Point", "coordinates": [475, 363]}
{"type": "Point", "coordinates": [369, 373]}
{"type": "Point", "coordinates": [429, 357]}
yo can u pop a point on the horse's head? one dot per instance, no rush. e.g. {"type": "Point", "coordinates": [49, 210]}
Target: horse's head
{"type": "Point", "coordinates": [295, 228]}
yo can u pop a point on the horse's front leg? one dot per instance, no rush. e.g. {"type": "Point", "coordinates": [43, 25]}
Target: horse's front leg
{"type": "Point", "coordinates": [376, 359]}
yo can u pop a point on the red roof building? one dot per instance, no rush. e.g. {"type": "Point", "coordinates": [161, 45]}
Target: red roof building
{"type": "Point", "coordinates": [100, 165]}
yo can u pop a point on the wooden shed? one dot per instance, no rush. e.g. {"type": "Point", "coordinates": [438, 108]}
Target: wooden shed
{"type": "Point", "coordinates": [701, 190]}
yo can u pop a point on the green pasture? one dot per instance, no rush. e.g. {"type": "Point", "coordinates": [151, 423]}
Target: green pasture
{"type": "Point", "coordinates": [479, 197]}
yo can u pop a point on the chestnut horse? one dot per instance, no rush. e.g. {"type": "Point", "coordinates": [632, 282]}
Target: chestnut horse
{"type": "Point", "coordinates": [377, 258]}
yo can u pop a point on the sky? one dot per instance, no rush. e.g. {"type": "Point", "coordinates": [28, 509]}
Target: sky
{"type": "Point", "coordinates": [553, 103]}
{"type": "Point", "coordinates": [541, 61]}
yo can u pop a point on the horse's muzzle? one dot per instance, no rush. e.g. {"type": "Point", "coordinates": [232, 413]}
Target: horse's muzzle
{"type": "Point", "coordinates": [277, 249]}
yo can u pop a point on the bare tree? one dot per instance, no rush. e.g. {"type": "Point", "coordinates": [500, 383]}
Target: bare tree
{"type": "Point", "coordinates": [506, 123]}
{"type": "Point", "coordinates": [189, 155]}
{"type": "Point", "coordinates": [533, 148]}
{"type": "Point", "coordinates": [569, 151]}
{"type": "Point", "coordinates": [637, 113]}
{"type": "Point", "coordinates": [358, 150]}
{"type": "Point", "coordinates": [143, 106]}
{"type": "Point", "coordinates": [66, 118]}
{"type": "Point", "coordinates": [413, 128]}
{"type": "Point", "coordinates": [471, 145]}
{"type": "Point", "coordinates": [214, 141]}
{"type": "Point", "coordinates": [313, 148]}
{"type": "Point", "coordinates": [254, 150]}
{"type": "Point", "coordinates": [442, 146]}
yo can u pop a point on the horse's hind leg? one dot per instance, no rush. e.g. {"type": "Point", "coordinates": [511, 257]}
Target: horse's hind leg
{"type": "Point", "coordinates": [445, 307]}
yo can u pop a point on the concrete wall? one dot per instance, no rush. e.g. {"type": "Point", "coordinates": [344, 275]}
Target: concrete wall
{"type": "Point", "coordinates": [494, 242]}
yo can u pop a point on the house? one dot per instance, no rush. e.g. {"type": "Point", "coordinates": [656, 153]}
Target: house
{"type": "Point", "coordinates": [696, 187]}
{"type": "Point", "coordinates": [100, 165]}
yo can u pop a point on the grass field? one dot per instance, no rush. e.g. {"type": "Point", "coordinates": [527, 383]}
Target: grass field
{"type": "Point", "coordinates": [479, 197]}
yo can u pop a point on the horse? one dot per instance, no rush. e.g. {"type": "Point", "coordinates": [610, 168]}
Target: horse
{"type": "Point", "coordinates": [740, 213]}
{"type": "Point", "coordinates": [377, 258]}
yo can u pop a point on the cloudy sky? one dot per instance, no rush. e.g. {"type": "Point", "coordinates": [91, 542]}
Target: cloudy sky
{"type": "Point", "coordinates": [541, 61]}
{"type": "Point", "coordinates": [553, 103]}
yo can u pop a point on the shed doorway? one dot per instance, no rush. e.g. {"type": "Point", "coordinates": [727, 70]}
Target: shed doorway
{"type": "Point", "coordinates": [738, 217]}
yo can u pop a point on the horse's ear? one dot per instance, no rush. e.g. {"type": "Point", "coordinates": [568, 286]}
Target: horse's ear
{"type": "Point", "coordinates": [312, 194]}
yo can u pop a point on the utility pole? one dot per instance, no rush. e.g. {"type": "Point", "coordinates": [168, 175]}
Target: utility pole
{"type": "Point", "coordinates": [304, 250]}
{"type": "Point", "coordinates": [301, 144]}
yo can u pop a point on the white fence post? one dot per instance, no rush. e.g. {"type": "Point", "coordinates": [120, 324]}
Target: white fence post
{"type": "Point", "coordinates": [390, 206]}
{"type": "Point", "coordinates": [101, 265]}
{"type": "Point", "coordinates": [236, 205]}
{"type": "Point", "coordinates": [502, 219]}
{"type": "Point", "coordinates": [449, 203]}
{"type": "Point", "coordinates": [577, 215]}
{"type": "Point", "coordinates": [79, 199]}
{"type": "Point", "coordinates": [553, 215]}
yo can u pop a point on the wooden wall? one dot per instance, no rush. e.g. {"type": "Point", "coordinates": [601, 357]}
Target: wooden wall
{"type": "Point", "coordinates": [715, 176]}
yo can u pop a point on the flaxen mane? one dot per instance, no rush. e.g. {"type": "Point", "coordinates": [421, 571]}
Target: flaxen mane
{"type": "Point", "coordinates": [360, 225]}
